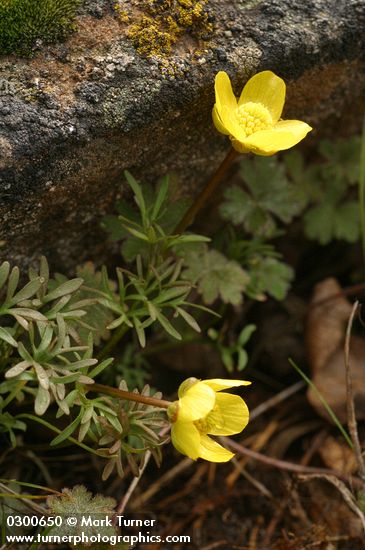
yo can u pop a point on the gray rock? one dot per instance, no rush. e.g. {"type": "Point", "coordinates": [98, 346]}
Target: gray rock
{"type": "Point", "coordinates": [77, 114]}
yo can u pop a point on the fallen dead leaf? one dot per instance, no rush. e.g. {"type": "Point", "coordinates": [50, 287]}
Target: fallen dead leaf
{"type": "Point", "coordinates": [338, 455]}
{"type": "Point", "coordinates": [327, 317]}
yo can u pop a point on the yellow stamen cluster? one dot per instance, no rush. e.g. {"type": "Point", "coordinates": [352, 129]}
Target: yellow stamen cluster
{"type": "Point", "coordinates": [253, 117]}
{"type": "Point", "coordinates": [213, 420]}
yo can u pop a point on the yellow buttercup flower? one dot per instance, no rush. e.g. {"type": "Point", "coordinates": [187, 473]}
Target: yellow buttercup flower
{"type": "Point", "coordinates": [253, 122]}
{"type": "Point", "coordinates": [203, 410]}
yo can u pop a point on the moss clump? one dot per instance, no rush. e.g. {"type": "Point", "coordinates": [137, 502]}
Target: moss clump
{"type": "Point", "coordinates": [162, 22]}
{"type": "Point", "coordinates": [22, 22]}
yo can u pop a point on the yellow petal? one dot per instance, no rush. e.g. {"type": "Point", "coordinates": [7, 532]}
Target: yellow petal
{"type": "Point", "coordinates": [295, 126]}
{"type": "Point", "coordinates": [284, 135]}
{"type": "Point", "coordinates": [229, 120]}
{"type": "Point", "coordinates": [268, 89]}
{"type": "Point", "coordinates": [218, 123]}
{"type": "Point", "coordinates": [224, 95]}
{"type": "Point", "coordinates": [186, 439]}
{"type": "Point", "coordinates": [196, 402]}
{"type": "Point", "coordinates": [212, 451]}
{"type": "Point", "coordinates": [232, 415]}
{"type": "Point", "coordinates": [239, 146]}
{"type": "Point", "coordinates": [184, 386]}
{"type": "Point", "coordinates": [218, 384]}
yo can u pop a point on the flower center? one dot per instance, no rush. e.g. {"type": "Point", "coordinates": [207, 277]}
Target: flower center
{"type": "Point", "coordinates": [212, 420]}
{"type": "Point", "coordinates": [253, 117]}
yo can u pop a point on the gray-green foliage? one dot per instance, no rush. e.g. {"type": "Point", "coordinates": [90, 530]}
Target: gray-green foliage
{"type": "Point", "coordinates": [45, 353]}
{"type": "Point", "coordinates": [23, 22]}
{"type": "Point", "coordinates": [156, 286]}
{"type": "Point", "coordinates": [145, 296]}
{"type": "Point", "coordinates": [135, 429]}
{"type": "Point", "coordinates": [42, 353]}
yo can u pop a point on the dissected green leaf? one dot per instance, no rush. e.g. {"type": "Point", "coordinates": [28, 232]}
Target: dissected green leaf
{"type": "Point", "coordinates": [270, 195]}
{"type": "Point", "coordinates": [325, 222]}
{"type": "Point", "coordinates": [269, 276]}
{"type": "Point", "coordinates": [216, 276]}
{"type": "Point", "coordinates": [78, 502]}
{"type": "Point", "coordinates": [343, 157]}
{"type": "Point", "coordinates": [347, 222]}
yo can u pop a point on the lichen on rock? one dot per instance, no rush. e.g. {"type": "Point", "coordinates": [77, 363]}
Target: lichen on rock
{"type": "Point", "coordinates": [156, 25]}
{"type": "Point", "coordinates": [23, 22]}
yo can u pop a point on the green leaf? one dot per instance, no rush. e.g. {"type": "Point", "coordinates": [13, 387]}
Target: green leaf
{"type": "Point", "coordinates": [236, 206]}
{"type": "Point", "coordinates": [160, 198]}
{"type": "Point", "coordinates": [12, 283]}
{"type": "Point", "coordinates": [171, 294]}
{"type": "Point", "coordinates": [42, 401]}
{"type": "Point", "coordinates": [7, 337]}
{"type": "Point", "coordinates": [137, 234]}
{"type": "Point", "coordinates": [97, 316]}
{"type": "Point", "coordinates": [245, 335]}
{"type": "Point", "coordinates": [325, 222]}
{"type": "Point", "coordinates": [347, 222]}
{"type": "Point", "coordinates": [242, 359]}
{"type": "Point", "coordinates": [4, 273]}
{"type": "Point", "coordinates": [216, 276]}
{"type": "Point", "coordinates": [343, 157]}
{"type": "Point", "coordinates": [69, 287]}
{"type": "Point", "coordinates": [17, 369]}
{"type": "Point", "coordinates": [319, 223]}
{"type": "Point", "coordinates": [67, 431]}
{"type": "Point", "coordinates": [168, 326]}
{"type": "Point", "coordinates": [140, 331]}
{"type": "Point", "coordinates": [269, 276]}
{"type": "Point", "coordinates": [189, 319]}
{"type": "Point", "coordinates": [27, 292]}
{"type": "Point", "coordinates": [115, 227]}
{"type": "Point", "coordinates": [269, 193]}
{"type": "Point", "coordinates": [132, 247]}
{"type": "Point", "coordinates": [100, 367]}
{"type": "Point", "coordinates": [80, 502]}
{"type": "Point", "coordinates": [26, 313]}
{"type": "Point", "coordinates": [138, 195]}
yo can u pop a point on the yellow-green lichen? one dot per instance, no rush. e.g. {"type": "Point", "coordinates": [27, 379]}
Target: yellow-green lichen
{"type": "Point", "coordinates": [23, 22]}
{"type": "Point", "coordinates": [158, 24]}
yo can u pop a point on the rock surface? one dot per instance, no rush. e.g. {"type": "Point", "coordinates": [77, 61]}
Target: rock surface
{"type": "Point", "coordinates": [78, 113]}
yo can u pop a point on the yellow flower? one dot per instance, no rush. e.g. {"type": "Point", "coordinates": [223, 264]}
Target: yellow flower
{"type": "Point", "coordinates": [253, 122]}
{"type": "Point", "coordinates": [203, 409]}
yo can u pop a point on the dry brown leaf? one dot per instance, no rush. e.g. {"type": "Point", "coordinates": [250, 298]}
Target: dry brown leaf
{"type": "Point", "coordinates": [337, 455]}
{"type": "Point", "coordinates": [328, 502]}
{"type": "Point", "coordinates": [328, 315]}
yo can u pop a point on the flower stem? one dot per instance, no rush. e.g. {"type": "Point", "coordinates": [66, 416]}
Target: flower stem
{"type": "Point", "coordinates": [128, 395]}
{"type": "Point", "coordinates": [205, 193]}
